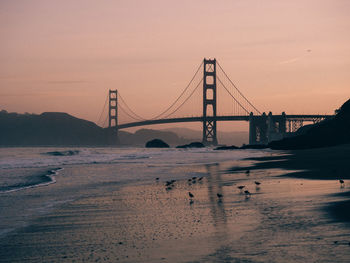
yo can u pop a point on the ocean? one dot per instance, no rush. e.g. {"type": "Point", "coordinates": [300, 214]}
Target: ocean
{"type": "Point", "coordinates": [133, 205]}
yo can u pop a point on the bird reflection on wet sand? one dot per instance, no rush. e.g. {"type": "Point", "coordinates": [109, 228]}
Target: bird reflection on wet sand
{"type": "Point", "coordinates": [202, 222]}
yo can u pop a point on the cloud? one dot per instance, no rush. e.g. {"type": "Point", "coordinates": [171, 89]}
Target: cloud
{"type": "Point", "coordinates": [64, 82]}
{"type": "Point", "coordinates": [20, 94]}
{"type": "Point", "coordinates": [292, 60]}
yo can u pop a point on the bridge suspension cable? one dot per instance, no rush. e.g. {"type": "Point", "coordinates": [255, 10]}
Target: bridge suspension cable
{"type": "Point", "coordinates": [132, 117]}
{"type": "Point", "coordinates": [238, 90]}
{"type": "Point", "coordinates": [103, 109]}
{"type": "Point", "coordinates": [104, 124]}
{"type": "Point", "coordinates": [200, 82]}
{"type": "Point", "coordinates": [238, 99]}
{"type": "Point", "coordinates": [232, 95]}
{"type": "Point", "coordinates": [138, 117]}
{"type": "Point", "coordinates": [182, 93]}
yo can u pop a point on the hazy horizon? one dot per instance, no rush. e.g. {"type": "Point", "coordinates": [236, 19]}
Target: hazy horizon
{"type": "Point", "coordinates": [63, 56]}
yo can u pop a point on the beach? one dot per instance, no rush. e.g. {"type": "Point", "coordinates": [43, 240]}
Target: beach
{"type": "Point", "coordinates": [117, 211]}
{"type": "Point", "coordinates": [330, 163]}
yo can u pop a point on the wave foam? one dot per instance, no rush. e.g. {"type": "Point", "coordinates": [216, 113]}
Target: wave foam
{"type": "Point", "coordinates": [49, 178]}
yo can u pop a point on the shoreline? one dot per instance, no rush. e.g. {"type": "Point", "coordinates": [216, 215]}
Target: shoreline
{"type": "Point", "coordinates": [145, 222]}
{"type": "Point", "coordinates": [330, 163]}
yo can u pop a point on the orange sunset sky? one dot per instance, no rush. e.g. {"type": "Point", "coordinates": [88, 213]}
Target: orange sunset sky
{"type": "Point", "coordinates": [291, 56]}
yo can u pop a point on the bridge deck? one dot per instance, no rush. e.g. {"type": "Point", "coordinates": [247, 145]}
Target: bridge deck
{"type": "Point", "coordinates": [217, 118]}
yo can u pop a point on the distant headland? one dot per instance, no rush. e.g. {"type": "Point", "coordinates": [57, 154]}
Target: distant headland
{"type": "Point", "coordinates": [330, 132]}
{"type": "Point", "coordinates": [62, 129]}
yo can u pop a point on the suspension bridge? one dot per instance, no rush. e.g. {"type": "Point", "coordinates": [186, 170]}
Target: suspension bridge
{"type": "Point", "coordinates": [210, 97]}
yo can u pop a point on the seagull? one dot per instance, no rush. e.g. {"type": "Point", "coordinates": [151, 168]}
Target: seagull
{"type": "Point", "coordinates": [257, 185]}
{"type": "Point", "coordinates": [247, 193]}
{"type": "Point", "coordinates": [190, 195]}
{"type": "Point", "coordinates": [200, 178]}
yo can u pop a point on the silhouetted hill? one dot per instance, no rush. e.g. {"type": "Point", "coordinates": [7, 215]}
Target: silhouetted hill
{"type": "Point", "coordinates": [62, 129]}
{"type": "Point", "coordinates": [140, 137]}
{"type": "Point", "coordinates": [330, 132]}
{"type": "Point", "coordinates": [50, 128]}
{"type": "Point", "coordinates": [229, 138]}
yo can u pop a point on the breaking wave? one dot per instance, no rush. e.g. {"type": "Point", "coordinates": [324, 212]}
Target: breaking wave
{"type": "Point", "coordinates": [34, 181]}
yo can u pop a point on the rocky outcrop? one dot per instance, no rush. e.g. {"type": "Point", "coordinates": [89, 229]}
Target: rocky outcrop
{"type": "Point", "coordinates": [254, 146]}
{"type": "Point", "coordinates": [327, 133]}
{"type": "Point", "coordinates": [156, 143]}
{"type": "Point", "coordinates": [224, 147]}
{"type": "Point", "coordinates": [192, 145]}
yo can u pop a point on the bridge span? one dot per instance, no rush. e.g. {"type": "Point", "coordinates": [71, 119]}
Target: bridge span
{"type": "Point", "coordinates": [263, 127]}
{"type": "Point", "coordinates": [310, 118]}
{"type": "Point", "coordinates": [185, 119]}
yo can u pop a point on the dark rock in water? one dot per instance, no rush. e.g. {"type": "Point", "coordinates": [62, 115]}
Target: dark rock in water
{"type": "Point", "coordinates": [156, 143]}
{"type": "Point", "coordinates": [254, 146]}
{"type": "Point", "coordinates": [63, 153]}
{"type": "Point", "coordinates": [232, 147]}
{"type": "Point", "coordinates": [330, 132]}
{"type": "Point", "coordinates": [192, 145]}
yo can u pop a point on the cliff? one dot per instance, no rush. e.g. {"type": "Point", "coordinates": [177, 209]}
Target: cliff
{"type": "Point", "coordinates": [327, 133]}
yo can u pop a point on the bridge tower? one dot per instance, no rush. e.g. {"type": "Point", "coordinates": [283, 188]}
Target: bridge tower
{"type": "Point", "coordinates": [113, 109]}
{"type": "Point", "coordinates": [209, 102]}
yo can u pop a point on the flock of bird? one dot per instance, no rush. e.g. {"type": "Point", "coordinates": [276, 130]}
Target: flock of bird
{"type": "Point", "coordinates": [170, 185]}
{"type": "Point", "coordinates": [246, 192]}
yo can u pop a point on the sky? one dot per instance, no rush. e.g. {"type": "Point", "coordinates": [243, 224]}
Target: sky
{"type": "Point", "coordinates": [64, 56]}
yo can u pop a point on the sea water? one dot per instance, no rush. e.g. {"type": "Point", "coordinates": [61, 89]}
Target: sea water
{"type": "Point", "coordinates": [25, 171]}
{"type": "Point", "coordinates": [283, 220]}
{"type": "Point", "coordinates": [14, 161]}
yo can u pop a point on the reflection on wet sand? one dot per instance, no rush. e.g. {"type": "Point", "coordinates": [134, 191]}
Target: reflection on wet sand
{"type": "Point", "coordinates": [216, 205]}
{"type": "Point", "coordinates": [148, 223]}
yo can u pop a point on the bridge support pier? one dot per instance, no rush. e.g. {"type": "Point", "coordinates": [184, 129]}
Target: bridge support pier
{"type": "Point", "coordinates": [113, 109]}
{"type": "Point", "coordinates": [113, 117]}
{"type": "Point", "coordinates": [209, 102]}
{"type": "Point", "coordinates": [276, 127]}
{"type": "Point", "coordinates": [264, 129]}
{"type": "Point", "coordinates": [257, 129]}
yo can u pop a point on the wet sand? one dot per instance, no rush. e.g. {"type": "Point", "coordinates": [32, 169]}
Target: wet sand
{"type": "Point", "coordinates": [282, 221]}
{"type": "Point", "coordinates": [331, 163]}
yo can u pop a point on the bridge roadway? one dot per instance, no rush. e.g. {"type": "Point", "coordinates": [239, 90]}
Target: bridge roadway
{"type": "Point", "coordinates": [219, 118]}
